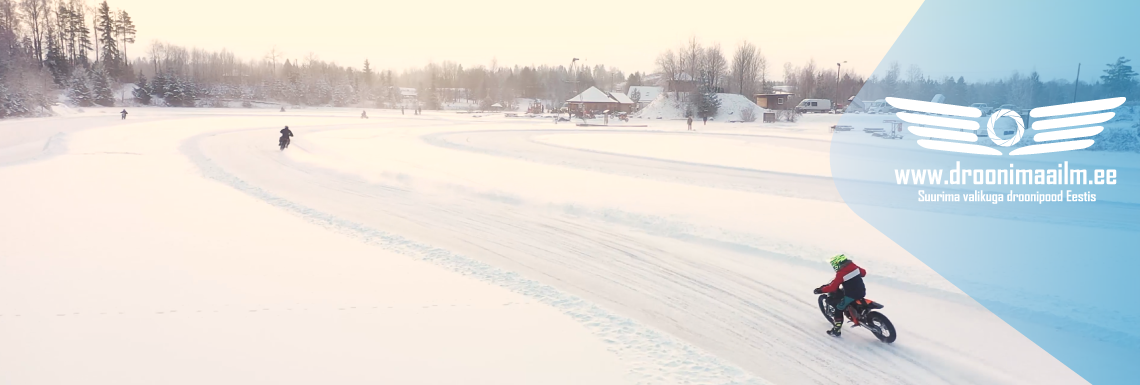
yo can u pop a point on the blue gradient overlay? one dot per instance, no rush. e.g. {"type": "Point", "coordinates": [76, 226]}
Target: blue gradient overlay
{"type": "Point", "coordinates": [1064, 274]}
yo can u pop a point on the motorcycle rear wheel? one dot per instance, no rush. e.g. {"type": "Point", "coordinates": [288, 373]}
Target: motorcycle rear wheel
{"type": "Point", "coordinates": [881, 327]}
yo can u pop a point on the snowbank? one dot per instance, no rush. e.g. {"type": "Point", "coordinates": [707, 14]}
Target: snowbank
{"type": "Point", "coordinates": [666, 106]}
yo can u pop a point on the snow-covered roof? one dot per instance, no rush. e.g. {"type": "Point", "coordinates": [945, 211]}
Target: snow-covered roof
{"type": "Point", "coordinates": [647, 93]}
{"type": "Point", "coordinates": [621, 98]}
{"type": "Point", "coordinates": [591, 95]}
{"type": "Point", "coordinates": [496, 105]}
{"type": "Point", "coordinates": [406, 91]}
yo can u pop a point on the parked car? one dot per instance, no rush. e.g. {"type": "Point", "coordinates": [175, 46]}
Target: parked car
{"type": "Point", "coordinates": [986, 110]}
{"type": "Point", "coordinates": [814, 105]}
{"type": "Point", "coordinates": [879, 107]}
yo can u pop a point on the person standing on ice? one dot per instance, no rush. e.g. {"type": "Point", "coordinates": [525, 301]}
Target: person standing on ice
{"type": "Point", "coordinates": [850, 276]}
{"type": "Point", "coordinates": [124, 113]}
{"type": "Point", "coordinates": [689, 121]}
{"type": "Point", "coordinates": [364, 114]}
{"type": "Point", "coordinates": [706, 122]}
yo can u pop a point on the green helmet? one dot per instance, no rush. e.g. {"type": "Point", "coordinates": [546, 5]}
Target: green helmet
{"type": "Point", "coordinates": [837, 261]}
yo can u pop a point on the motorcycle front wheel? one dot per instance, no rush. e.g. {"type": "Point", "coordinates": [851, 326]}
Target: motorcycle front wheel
{"type": "Point", "coordinates": [826, 308]}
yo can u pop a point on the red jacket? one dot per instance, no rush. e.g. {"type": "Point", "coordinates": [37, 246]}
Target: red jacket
{"type": "Point", "coordinates": [850, 276]}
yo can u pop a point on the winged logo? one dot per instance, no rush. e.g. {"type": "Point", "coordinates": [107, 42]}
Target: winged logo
{"type": "Point", "coordinates": [954, 128]}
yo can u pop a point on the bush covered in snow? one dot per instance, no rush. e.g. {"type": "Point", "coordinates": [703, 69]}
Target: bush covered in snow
{"type": "Point", "coordinates": [748, 115]}
{"type": "Point", "coordinates": [1118, 139]}
{"type": "Point", "coordinates": [790, 116]}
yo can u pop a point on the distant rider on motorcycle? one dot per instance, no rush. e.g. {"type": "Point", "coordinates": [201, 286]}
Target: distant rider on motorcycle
{"type": "Point", "coordinates": [850, 276]}
{"type": "Point", "coordinates": [285, 135]}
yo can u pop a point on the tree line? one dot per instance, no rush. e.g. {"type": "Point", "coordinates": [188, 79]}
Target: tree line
{"type": "Point", "coordinates": [53, 46]}
{"type": "Point", "coordinates": [1023, 90]}
{"type": "Point", "coordinates": [47, 45]}
{"type": "Point", "coordinates": [693, 74]}
{"type": "Point", "coordinates": [187, 77]}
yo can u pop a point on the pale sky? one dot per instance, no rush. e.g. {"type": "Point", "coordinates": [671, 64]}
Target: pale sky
{"type": "Point", "coordinates": [627, 34]}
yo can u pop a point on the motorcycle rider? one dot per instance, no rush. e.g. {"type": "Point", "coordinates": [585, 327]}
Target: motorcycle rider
{"type": "Point", "coordinates": [850, 276]}
{"type": "Point", "coordinates": [285, 135]}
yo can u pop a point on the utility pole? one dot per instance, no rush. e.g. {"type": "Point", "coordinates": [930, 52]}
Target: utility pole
{"type": "Point", "coordinates": [574, 76]}
{"type": "Point", "coordinates": [839, 70]}
{"type": "Point", "coordinates": [1077, 82]}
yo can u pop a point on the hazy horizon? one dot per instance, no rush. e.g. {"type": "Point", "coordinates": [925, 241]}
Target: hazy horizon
{"type": "Point", "coordinates": [628, 36]}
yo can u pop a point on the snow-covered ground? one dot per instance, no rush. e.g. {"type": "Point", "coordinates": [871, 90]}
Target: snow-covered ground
{"type": "Point", "coordinates": [181, 246]}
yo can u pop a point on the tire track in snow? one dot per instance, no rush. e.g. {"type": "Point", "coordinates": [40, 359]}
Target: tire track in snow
{"type": "Point", "coordinates": [657, 356]}
{"type": "Point", "coordinates": [762, 326]}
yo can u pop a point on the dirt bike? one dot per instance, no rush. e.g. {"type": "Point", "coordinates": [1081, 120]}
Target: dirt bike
{"type": "Point", "coordinates": [862, 313]}
{"type": "Point", "coordinates": [283, 142]}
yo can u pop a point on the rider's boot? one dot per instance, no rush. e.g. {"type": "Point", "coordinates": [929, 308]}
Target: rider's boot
{"type": "Point", "coordinates": [837, 329]}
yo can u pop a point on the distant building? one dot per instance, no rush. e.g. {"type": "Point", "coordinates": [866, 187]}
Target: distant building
{"type": "Point", "coordinates": [774, 101]}
{"type": "Point", "coordinates": [625, 104]}
{"type": "Point", "coordinates": [683, 83]}
{"type": "Point", "coordinates": [593, 100]}
{"type": "Point", "coordinates": [646, 94]}
{"type": "Point", "coordinates": [409, 96]}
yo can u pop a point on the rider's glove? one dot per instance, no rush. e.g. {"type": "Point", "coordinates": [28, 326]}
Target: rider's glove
{"type": "Point", "coordinates": [818, 290]}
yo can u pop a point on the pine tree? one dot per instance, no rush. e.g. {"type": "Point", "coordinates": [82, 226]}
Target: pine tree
{"type": "Point", "coordinates": [141, 91]}
{"type": "Point", "coordinates": [11, 103]}
{"type": "Point", "coordinates": [1118, 78]}
{"type": "Point", "coordinates": [101, 87]}
{"type": "Point", "coordinates": [710, 104]}
{"type": "Point", "coordinates": [82, 38]}
{"type": "Point", "coordinates": [109, 47]}
{"type": "Point", "coordinates": [342, 95]}
{"type": "Point", "coordinates": [158, 86]}
{"type": "Point", "coordinates": [705, 100]}
{"type": "Point", "coordinates": [125, 28]}
{"type": "Point", "coordinates": [62, 18]}
{"type": "Point", "coordinates": [180, 92]}
{"type": "Point", "coordinates": [55, 61]}
{"type": "Point", "coordinates": [432, 100]}
{"type": "Point", "coordinates": [78, 92]}
{"type": "Point", "coordinates": [173, 93]}
{"type": "Point", "coordinates": [367, 73]}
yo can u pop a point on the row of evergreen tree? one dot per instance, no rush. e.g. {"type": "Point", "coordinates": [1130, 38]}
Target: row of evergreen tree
{"type": "Point", "coordinates": [220, 76]}
{"type": "Point", "coordinates": [1025, 91]}
{"type": "Point", "coordinates": [48, 46]}
{"type": "Point", "coordinates": [68, 40]}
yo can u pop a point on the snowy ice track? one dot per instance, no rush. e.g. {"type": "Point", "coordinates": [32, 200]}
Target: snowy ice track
{"type": "Point", "coordinates": [520, 144]}
{"type": "Point", "coordinates": [561, 257]}
{"type": "Point", "coordinates": [657, 357]}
